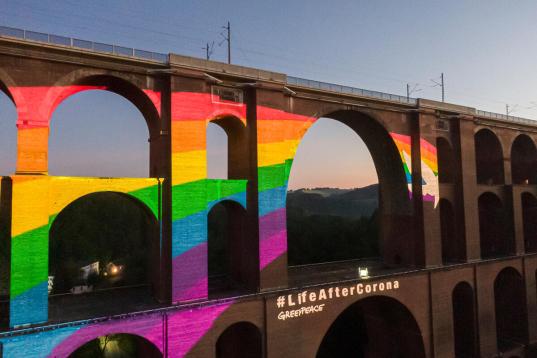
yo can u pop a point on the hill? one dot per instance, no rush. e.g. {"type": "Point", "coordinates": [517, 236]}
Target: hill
{"type": "Point", "coordinates": [349, 203]}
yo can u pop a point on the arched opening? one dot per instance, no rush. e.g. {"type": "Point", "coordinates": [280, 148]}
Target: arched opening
{"type": "Point", "coordinates": [510, 310]}
{"type": "Point", "coordinates": [240, 340]}
{"type": "Point", "coordinates": [118, 346]}
{"type": "Point", "coordinates": [524, 160]}
{"type": "Point", "coordinates": [8, 156]}
{"type": "Point", "coordinates": [452, 244]}
{"type": "Point", "coordinates": [227, 254]}
{"type": "Point", "coordinates": [227, 148]}
{"type": "Point", "coordinates": [529, 218]}
{"type": "Point", "coordinates": [89, 137]}
{"type": "Point", "coordinates": [347, 198]}
{"type": "Point", "coordinates": [217, 153]}
{"type": "Point", "coordinates": [446, 161]}
{"type": "Point", "coordinates": [103, 257]}
{"type": "Point", "coordinates": [8, 132]}
{"type": "Point", "coordinates": [495, 227]}
{"type": "Point", "coordinates": [464, 321]}
{"type": "Point", "coordinates": [489, 158]}
{"type": "Point", "coordinates": [373, 327]}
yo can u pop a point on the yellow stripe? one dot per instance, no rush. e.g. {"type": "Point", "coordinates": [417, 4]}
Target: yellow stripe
{"type": "Point", "coordinates": [275, 153]}
{"type": "Point", "coordinates": [189, 166]}
{"type": "Point", "coordinates": [30, 207]}
{"type": "Point", "coordinates": [64, 190]}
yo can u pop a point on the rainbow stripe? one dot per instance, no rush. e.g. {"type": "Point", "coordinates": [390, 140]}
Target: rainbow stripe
{"type": "Point", "coordinates": [36, 201]}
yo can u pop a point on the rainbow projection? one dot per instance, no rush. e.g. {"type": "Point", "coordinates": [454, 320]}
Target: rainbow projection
{"type": "Point", "coordinates": [193, 194]}
{"type": "Point", "coordinates": [429, 166]}
{"type": "Point", "coordinates": [36, 202]}
{"type": "Point", "coordinates": [37, 199]}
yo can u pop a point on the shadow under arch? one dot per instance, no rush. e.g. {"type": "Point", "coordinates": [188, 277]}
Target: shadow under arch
{"type": "Point", "coordinates": [229, 262]}
{"type": "Point", "coordinates": [120, 345]}
{"type": "Point", "coordinates": [237, 143]}
{"type": "Point", "coordinates": [510, 309]}
{"type": "Point", "coordinates": [488, 157]}
{"type": "Point", "coordinates": [119, 232]}
{"type": "Point", "coordinates": [464, 320]}
{"type": "Point", "coordinates": [396, 230]}
{"type": "Point", "coordinates": [495, 226]}
{"type": "Point", "coordinates": [376, 326]}
{"type": "Point", "coordinates": [240, 340]}
{"type": "Point", "coordinates": [523, 160]}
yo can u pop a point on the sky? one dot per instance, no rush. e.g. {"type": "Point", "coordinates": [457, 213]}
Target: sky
{"type": "Point", "coordinates": [486, 50]}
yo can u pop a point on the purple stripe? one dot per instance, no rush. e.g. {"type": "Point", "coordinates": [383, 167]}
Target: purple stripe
{"type": "Point", "coordinates": [149, 328]}
{"type": "Point", "coordinates": [190, 274]}
{"type": "Point", "coordinates": [272, 236]}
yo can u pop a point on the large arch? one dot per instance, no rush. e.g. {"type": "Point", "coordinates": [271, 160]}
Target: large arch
{"type": "Point", "coordinates": [376, 326]}
{"type": "Point", "coordinates": [489, 158]}
{"type": "Point", "coordinates": [453, 246]}
{"type": "Point", "coordinates": [394, 204]}
{"type": "Point", "coordinates": [510, 309]}
{"type": "Point", "coordinates": [523, 160]}
{"type": "Point", "coordinates": [446, 161]}
{"type": "Point", "coordinates": [122, 345]}
{"type": "Point", "coordinates": [146, 101]}
{"type": "Point", "coordinates": [8, 130]}
{"type": "Point", "coordinates": [495, 227]}
{"type": "Point", "coordinates": [464, 321]}
{"type": "Point", "coordinates": [529, 221]}
{"type": "Point", "coordinates": [240, 340]}
{"type": "Point", "coordinates": [106, 243]}
{"type": "Point", "coordinates": [97, 133]}
{"type": "Point", "coordinates": [227, 248]}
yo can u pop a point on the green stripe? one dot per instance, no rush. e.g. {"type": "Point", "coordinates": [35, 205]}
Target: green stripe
{"type": "Point", "coordinates": [149, 196]}
{"type": "Point", "coordinates": [29, 260]}
{"type": "Point", "coordinates": [193, 197]}
{"type": "Point", "coordinates": [274, 176]}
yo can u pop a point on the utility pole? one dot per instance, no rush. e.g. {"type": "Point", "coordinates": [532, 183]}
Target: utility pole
{"type": "Point", "coordinates": [228, 38]}
{"type": "Point", "coordinates": [507, 110]}
{"type": "Point", "coordinates": [442, 81]}
{"type": "Point", "coordinates": [441, 84]}
{"type": "Point", "coordinates": [208, 50]}
{"type": "Point", "coordinates": [407, 92]}
{"type": "Point", "coordinates": [410, 90]}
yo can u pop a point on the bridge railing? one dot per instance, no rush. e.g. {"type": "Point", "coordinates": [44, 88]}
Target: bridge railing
{"type": "Point", "coordinates": [82, 44]}
{"type": "Point", "coordinates": [349, 90]}
{"type": "Point", "coordinates": [505, 117]}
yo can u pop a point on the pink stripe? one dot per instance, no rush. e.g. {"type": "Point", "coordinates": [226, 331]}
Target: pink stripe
{"type": "Point", "coordinates": [187, 328]}
{"type": "Point", "coordinates": [149, 328]}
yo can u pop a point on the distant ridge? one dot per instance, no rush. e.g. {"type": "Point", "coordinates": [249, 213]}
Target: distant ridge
{"type": "Point", "coordinates": [350, 203]}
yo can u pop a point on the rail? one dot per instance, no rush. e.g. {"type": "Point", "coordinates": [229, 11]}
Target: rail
{"type": "Point", "coordinates": [82, 44]}
{"type": "Point", "coordinates": [99, 47]}
{"type": "Point", "coordinates": [303, 82]}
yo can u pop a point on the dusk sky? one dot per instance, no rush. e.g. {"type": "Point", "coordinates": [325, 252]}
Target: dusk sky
{"type": "Point", "coordinates": [486, 50]}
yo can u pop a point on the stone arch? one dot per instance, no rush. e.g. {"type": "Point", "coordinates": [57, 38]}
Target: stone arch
{"type": "Point", "coordinates": [240, 340]}
{"type": "Point", "coordinates": [489, 158]}
{"type": "Point", "coordinates": [376, 326]}
{"type": "Point", "coordinates": [529, 221]}
{"type": "Point", "coordinates": [453, 246]}
{"type": "Point", "coordinates": [229, 260]}
{"type": "Point", "coordinates": [389, 157]}
{"type": "Point", "coordinates": [129, 258]}
{"type": "Point", "coordinates": [446, 161]}
{"type": "Point", "coordinates": [523, 160]}
{"type": "Point", "coordinates": [495, 227]}
{"type": "Point", "coordinates": [510, 309]}
{"type": "Point", "coordinates": [234, 125]}
{"type": "Point", "coordinates": [464, 320]}
{"type": "Point", "coordinates": [133, 345]}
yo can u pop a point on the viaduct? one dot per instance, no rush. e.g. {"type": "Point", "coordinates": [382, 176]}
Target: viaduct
{"type": "Point", "coordinates": [458, 212]}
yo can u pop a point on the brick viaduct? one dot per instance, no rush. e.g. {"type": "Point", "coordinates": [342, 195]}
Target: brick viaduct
{"type": "Point", "coordinates": [458, 203]}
